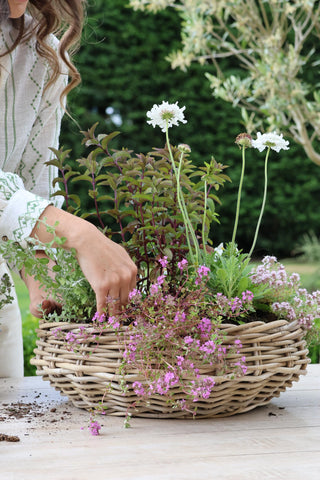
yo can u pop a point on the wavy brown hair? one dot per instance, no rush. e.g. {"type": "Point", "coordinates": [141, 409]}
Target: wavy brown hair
{"type": "Point", "coordinates": [63, 18]}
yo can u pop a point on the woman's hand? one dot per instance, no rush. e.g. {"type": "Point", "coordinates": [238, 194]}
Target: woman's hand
{"type": "Point", "coordinates": [106, 265]}
{"type": "Point", "coordinates": [40, 302]}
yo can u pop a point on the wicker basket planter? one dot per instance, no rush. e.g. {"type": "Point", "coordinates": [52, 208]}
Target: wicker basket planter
{"type": "Point", "coordinates": [276, 355]}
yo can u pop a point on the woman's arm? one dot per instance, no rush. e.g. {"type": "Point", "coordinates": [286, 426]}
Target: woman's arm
{"type": "Point", "coordinates": [106, 265]}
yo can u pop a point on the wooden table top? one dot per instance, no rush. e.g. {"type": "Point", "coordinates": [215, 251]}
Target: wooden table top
{"type": "Point", "coordinates": [278, 441]}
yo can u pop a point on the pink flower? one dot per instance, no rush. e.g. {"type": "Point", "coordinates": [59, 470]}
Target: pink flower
{"type": "Point", "coordinates": [247, 296]}
{"type": "Point", "coordinates": [154, 289]}
{"type": "Point", "coordinates": [208, 347]}
{"type": "Point", "coordinates": [188, 340]}
{"type": "Point", "coordinates": [163, 262]}
{"type": "Point", "coordinates": [204, 325]}
{"type": "Point", "coordinates": [99, 317]}
{"type": "Point", "coordinates": [94, 428]}
{"type": "Point", "coordinates": [134, 295]}
{"type": "Point", "coordinates": [114, 323]}
{"type": "Point", "coordinates": [202, 271]}
{"type": "Point", "coordinates": [138, 388]}
{"type": "Point", "coordinates": [71, 337]}
{"type": "Point", "coordinates": [180, 360]}
{"type": "Point", "coordinates": [183, 264]}
{"type": "Point", "coordinates": [180, 317]}
{"type": "Point", "coordinates": [160, 279]}
{"type": "Point", "coordinates": [56, 332]}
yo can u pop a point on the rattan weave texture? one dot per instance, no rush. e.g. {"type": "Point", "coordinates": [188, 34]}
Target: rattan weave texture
{"type": "Point", "coordinates": [276, 355]}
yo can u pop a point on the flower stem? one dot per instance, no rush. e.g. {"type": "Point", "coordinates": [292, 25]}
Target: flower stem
{"type": "Point", "coordinates": [185, 214]}
{"type": "Point", "coordinates": [181, 202]}
{"type": "Point", "coordinates": [204, 240]}
{"type": "Point", "coordinates": [95, 193]}
{"type": "Point", "coordinates": [239, 196]}
{"type": "Point", "coordinates": [263, 201]}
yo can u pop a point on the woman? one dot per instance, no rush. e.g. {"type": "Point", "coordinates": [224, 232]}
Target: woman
{"type": "Point", "coordinates": [34, 69]}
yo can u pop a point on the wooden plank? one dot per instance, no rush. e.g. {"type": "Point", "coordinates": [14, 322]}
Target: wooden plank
{"type": "Point", "coordinates": [278, 441]}
{"type": "Point", "coordinates": [182, 458]}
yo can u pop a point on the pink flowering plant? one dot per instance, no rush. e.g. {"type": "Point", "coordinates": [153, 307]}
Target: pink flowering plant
{"type": "Point", "coordinates": [175, 336]}
{"type": "Point", "coordinates": [173, 339]}
{"type": "Point", "coordinates": [160, 206]}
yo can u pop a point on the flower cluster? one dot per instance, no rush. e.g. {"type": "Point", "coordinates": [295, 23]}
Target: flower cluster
{"type": "Point", "coordinates": [303, 307]}
{"type": "Point", "coordinates": [235, 307]}
{"type": "Point", "coordinates": [166, 115]}
{"type": "Point", "coordinates": [173, 337]}
{"type": "Point", "coordinates": [94, 427]}
{"type": "Point", "coordinates": [272, 139]}
{"type": "Point", "coordinates": [287, 298]}
{"type": "Point", "coordinates": [74, 339]}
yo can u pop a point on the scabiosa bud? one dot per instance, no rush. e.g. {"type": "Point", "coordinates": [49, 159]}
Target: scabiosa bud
{"type": "Point", "coordinates": [184, 148]}
{"type": "Point", "coordinates": [244, 140]}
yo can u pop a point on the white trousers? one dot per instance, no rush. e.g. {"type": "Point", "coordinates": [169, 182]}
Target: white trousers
{"type": "Point", "coordinates": [11, 343]}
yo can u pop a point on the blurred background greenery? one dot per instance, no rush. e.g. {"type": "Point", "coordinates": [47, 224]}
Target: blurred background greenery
{"type": "Point", "coordinates": [124, 71]}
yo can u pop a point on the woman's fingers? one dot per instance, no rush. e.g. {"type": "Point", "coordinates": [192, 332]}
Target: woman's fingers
{"type": "Point", "coordinates": [41, 306]}
{"type": "Point", "coordinates": [49, 306]}
{"type": "Point", "coordinates": [108, 268]}
{"type": "Point", "coordinates": [113, 291]}
{"type": "Point", "coordinates": [41, 303]}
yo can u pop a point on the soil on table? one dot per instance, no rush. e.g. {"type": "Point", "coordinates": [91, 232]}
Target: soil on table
{"type": "Point", "coordinates": [46, 413]}
{"type": "Point", "coordinates": [8, 438]}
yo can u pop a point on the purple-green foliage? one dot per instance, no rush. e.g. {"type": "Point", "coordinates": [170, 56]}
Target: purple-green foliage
{"type": "Point", "coordinates": [134, 201]}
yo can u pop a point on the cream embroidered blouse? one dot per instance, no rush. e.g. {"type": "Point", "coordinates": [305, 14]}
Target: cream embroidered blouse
{"type": "Point", "coordinates": [29, 124]}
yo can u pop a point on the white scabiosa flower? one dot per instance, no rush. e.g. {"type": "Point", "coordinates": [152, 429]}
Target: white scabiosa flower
{"type": "Point", "coordinates": [273, 140]}
{"type": "Point", "coordinates": [219, 250]}
{"type": "Point", "coordinates": [166, 114]}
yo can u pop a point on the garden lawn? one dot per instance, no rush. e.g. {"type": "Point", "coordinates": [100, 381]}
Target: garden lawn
{"type": "Point", "coordinates": [29, 324]}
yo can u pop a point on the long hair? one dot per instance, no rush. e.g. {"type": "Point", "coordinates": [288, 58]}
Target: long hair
{"type": "Point", "coordinates": [63, 18]}
{"type": "Point", "coordinates": [4, 10]}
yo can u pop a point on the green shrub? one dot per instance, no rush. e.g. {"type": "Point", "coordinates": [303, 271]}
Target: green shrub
{"type": "Point", "coordinates": [309, 248]}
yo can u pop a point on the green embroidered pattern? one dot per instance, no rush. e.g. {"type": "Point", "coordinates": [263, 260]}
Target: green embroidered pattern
{"type": "Point", "coordinates": [10, 183]}
{"type": "Point", "coordinates": [33, 210]}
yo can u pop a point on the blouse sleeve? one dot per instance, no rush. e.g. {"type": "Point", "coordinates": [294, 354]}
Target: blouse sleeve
{"type": "Point", "coordinates": [23, 198]}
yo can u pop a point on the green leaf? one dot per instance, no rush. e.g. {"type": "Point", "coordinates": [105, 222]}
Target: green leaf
{"type": "Point", "coordinates": [43, 261]}
{"type": "Point", "coordinates": [84, 177]}
{"type": "Point", "coordinates": [243, 285]}
{"type": "Point", "coordinates": [56, 268]}
{"type": "Point", "coordinates": [107, 138]}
